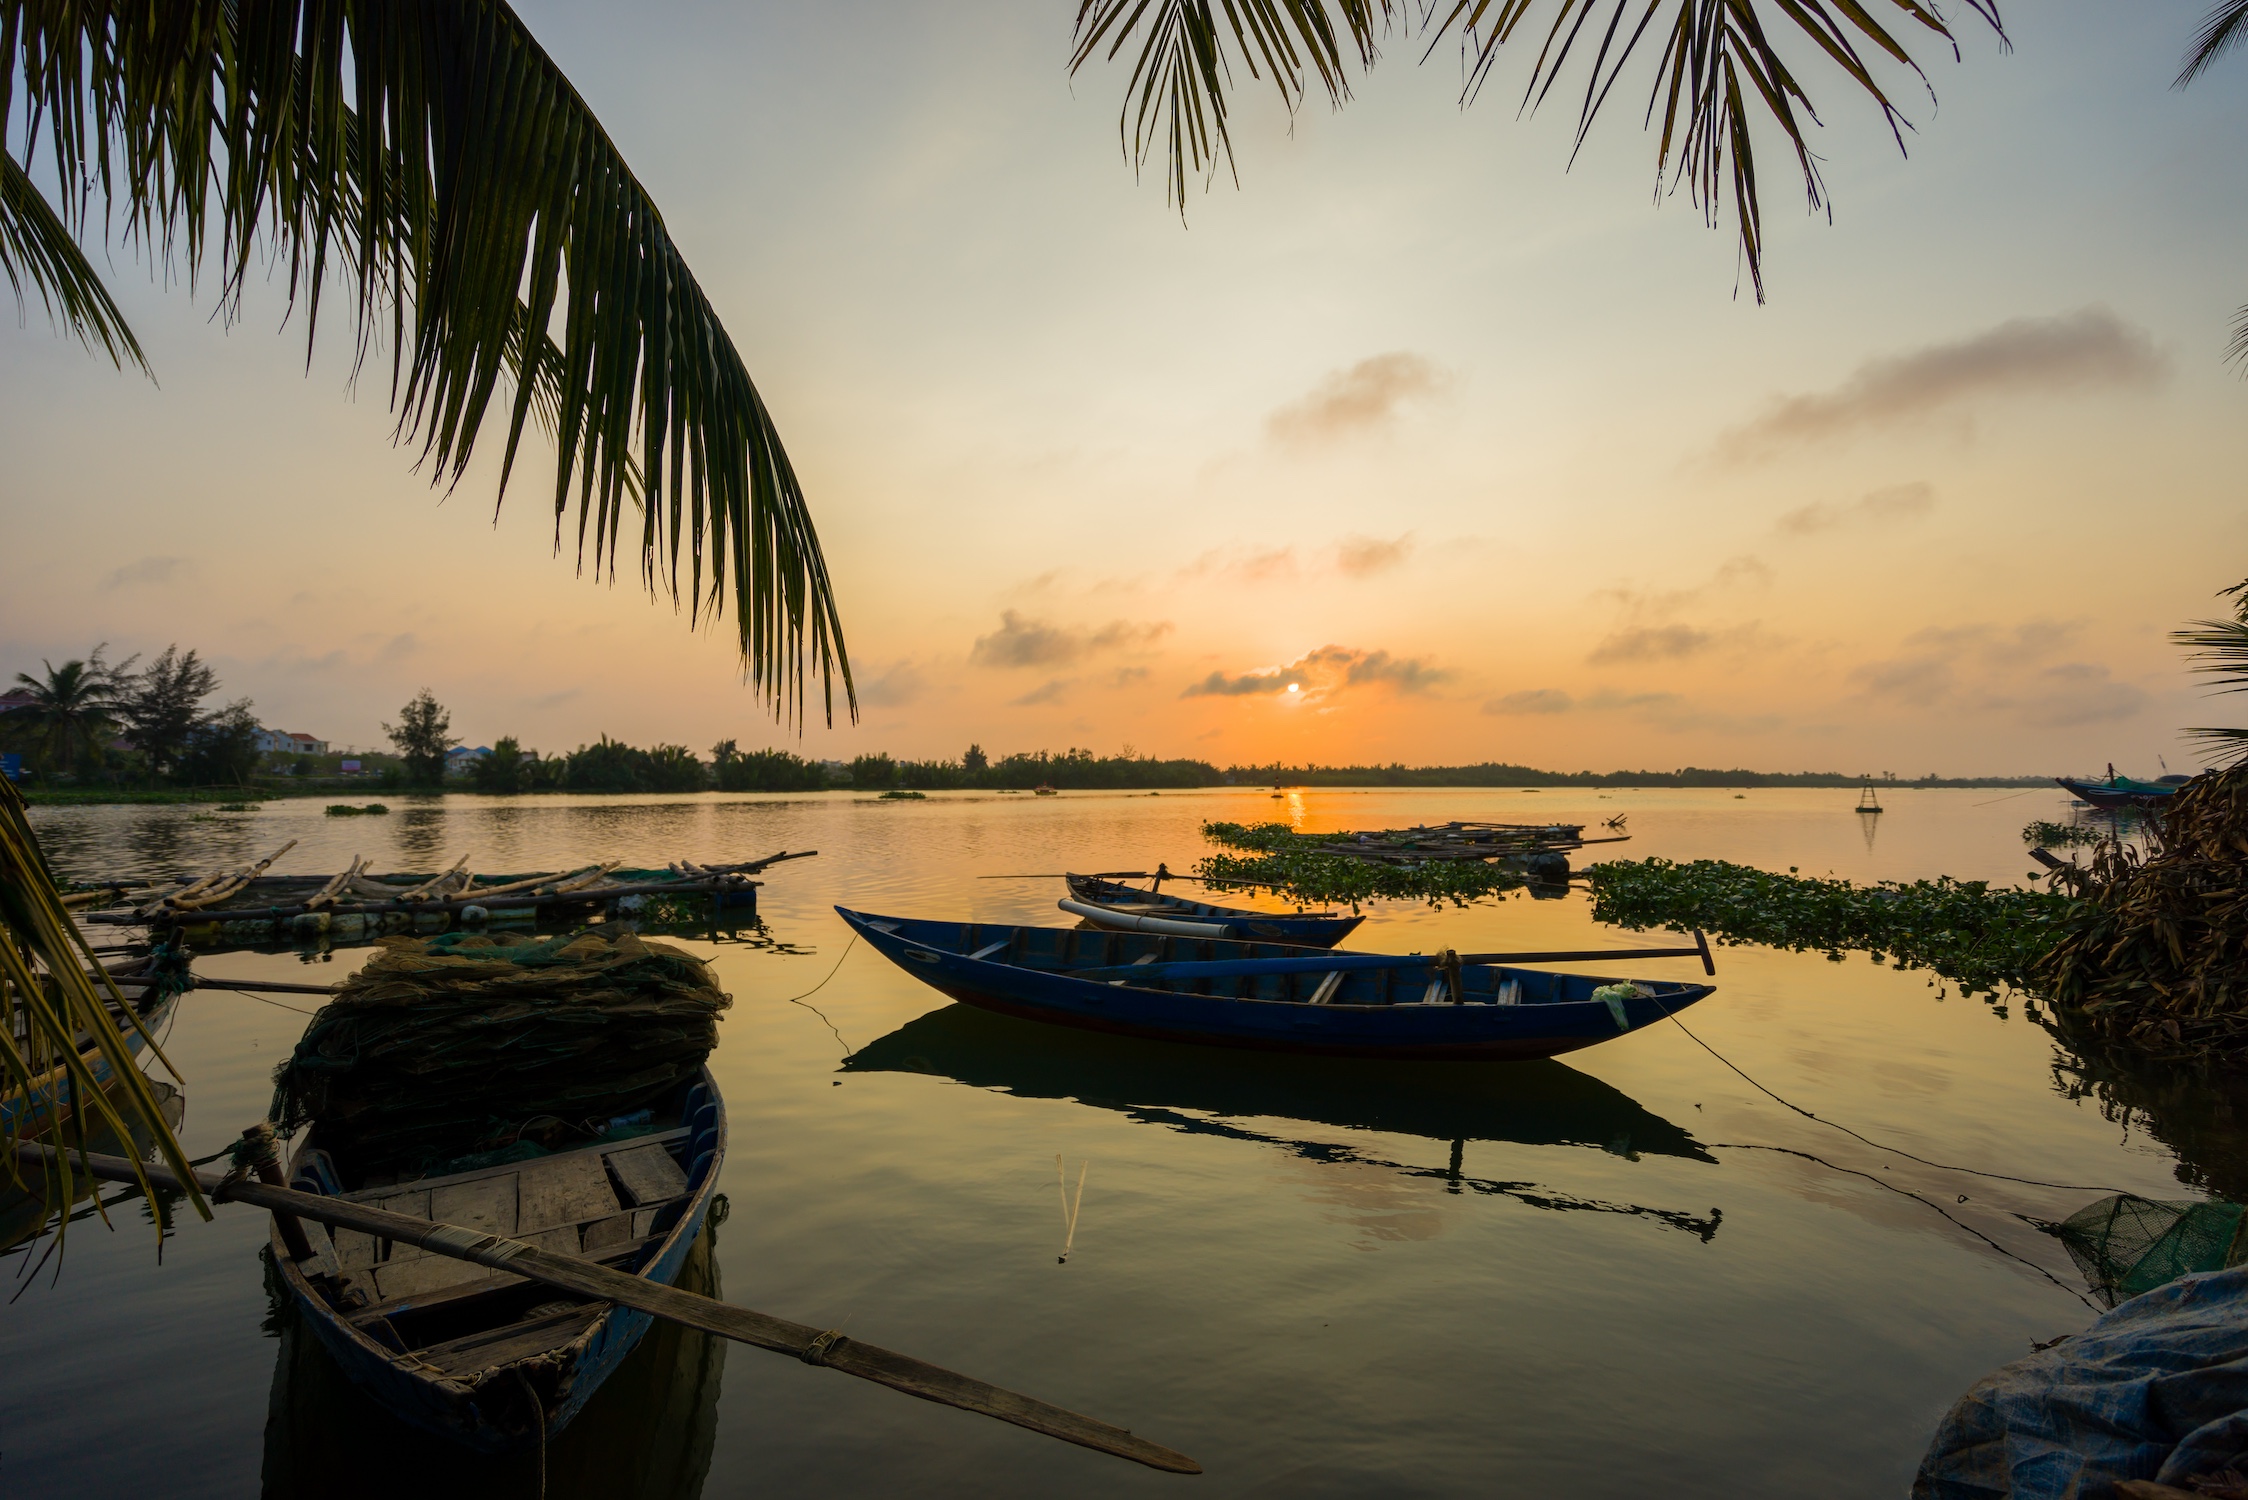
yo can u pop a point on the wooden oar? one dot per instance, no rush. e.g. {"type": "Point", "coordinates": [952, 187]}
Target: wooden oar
{"type": "Point", "coordinates": [1088, 874]}
{"type": "Point", "coordinates": [600, 1283]}
{"type": "Point", "coordinates": [1224, 968]}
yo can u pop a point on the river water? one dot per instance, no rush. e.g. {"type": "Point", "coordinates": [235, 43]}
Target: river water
{"type": "Point", "coordinates": [1625, 1272]}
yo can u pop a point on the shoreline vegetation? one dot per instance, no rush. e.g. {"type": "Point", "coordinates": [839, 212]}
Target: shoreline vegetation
{"type": "Point", "coordinates": [612, 766]}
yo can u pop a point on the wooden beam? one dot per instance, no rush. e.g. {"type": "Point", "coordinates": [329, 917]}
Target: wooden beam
{"type": "Point", "coordinates": [586, 1279]}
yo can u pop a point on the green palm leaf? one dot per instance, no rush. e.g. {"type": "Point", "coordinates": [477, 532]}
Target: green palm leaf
{"type": "Point", "coordinates": [38, 248]}
{"type": "Point", "coordinates": [430, 154]}
{"type": "Point", "coordinates": [2218, 649]}
{"type": "Point", "coordinates": [1722, 70]}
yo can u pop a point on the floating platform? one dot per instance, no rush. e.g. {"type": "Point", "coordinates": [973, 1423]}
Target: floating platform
{"type": "Point", "coordinates": [247, 905]}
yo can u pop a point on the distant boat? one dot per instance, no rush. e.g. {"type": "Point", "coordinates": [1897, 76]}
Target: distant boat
{"type": "Point", "coordinates": [1042, 790]}
{"type": "Point", "coordinates": [1340, 1004]}
{"type": "Point", "coordinates": [1123, 908]}
{"type": "Point", "coordinates": [2124, 791]}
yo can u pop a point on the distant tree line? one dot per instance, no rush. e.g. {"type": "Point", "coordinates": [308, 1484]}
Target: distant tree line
{"type": "Point", "coordinates": [1501, 774]}
{"type": "Point", "coordinates": [92, 721]}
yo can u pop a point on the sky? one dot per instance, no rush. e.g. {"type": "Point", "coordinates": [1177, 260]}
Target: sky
{"type": "Point", "coordinates": [1421, 444]}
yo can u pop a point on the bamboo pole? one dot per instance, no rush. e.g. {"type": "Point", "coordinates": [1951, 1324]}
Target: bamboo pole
{"type": "Point", "coordinates": [600, 1283]}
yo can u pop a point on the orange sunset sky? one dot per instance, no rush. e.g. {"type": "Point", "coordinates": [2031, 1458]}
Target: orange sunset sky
{"type": "Point", "coordinates": [1485, 455]}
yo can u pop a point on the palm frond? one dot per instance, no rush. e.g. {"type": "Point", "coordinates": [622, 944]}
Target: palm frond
{"type": "Point", "coordinates": [55, 997]}
{"type": "Point", "coordinates": [36, 247]}
{"type": "Point", "coordinates": [2221, 30]}
{"type": "Point", "coordinates": [1722, 71]}
{"type": "Point", "coordinates": [430, 153]}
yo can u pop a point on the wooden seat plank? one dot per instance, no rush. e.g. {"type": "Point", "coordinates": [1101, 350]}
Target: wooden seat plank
{"type": "Point", "coordinates": [486, 1204]}
{"type": "Point", "coordinates": [607, 1233]}
{"type": "Point", "coordinates": [649, 1174]}
{"type": "Point", "coordinates": [502, 1346]}
{"type": "Point", "coordinates": [413, 1280]}
{"type": "Point", "coordinates": [558, 1190]}
{"type": "Point", "coordinates": [485, 1282]}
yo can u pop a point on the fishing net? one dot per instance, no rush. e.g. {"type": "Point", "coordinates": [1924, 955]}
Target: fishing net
{"type": "Point", "coordinates": [443, 1047]}
{"type": "Point", "coordinates": [2126, 1245]}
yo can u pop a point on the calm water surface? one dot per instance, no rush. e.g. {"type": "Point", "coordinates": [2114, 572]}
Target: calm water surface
{"type": "Point", "coordinates": [1317, 1278]}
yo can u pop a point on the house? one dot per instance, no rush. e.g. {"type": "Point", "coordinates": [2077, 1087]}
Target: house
{"type": "Point", "coordinates": [460, 758]}
{"type": "Point", "coordinates": [289, 742]}
{"type": "Point", "coordinates": [15, 698]}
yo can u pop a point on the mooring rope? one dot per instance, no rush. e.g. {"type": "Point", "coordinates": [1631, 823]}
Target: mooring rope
{"type": "Point", "coordinates": [815, 989]}
{"type": "Point", "coordinates": [2071, 1187]}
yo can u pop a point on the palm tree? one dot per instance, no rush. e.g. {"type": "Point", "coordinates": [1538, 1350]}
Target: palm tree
{"type": "Point", "coordinates": [2219, 649]}
{"type": "Point", "coordinates": [427, 163]}
{"type": "Point", "coordinates": [1722, 67]}
{"type": "Point", "coordinates": [73, 708]}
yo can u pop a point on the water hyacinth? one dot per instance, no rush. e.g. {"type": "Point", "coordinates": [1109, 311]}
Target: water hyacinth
{"type": "Point", "coordinates": [1295, 865]}
{"type": "Point", "coordinates": [1964, 930]}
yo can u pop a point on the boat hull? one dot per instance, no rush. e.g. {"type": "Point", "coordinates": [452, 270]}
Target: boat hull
{"type": "Point", "coordinates": [494, 1417]}
{"type": "Point", "coordinates": [1097, 901]}
{"type": "Point", "coordinates": [940, 954]}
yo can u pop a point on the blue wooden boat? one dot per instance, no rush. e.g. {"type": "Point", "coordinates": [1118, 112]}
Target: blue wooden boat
{"type": "Point", "coordinates": [488, 1359]}
{"type": "Point", "coordinates": [1124, 908]}
{"type": "Point", "coordinates": [2124, 791]}
{"type": "Point", "coordinates": [1294, 999]}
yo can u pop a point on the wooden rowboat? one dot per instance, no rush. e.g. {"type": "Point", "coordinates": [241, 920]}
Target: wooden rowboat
{"type": "Point", "coordinates": [489, 1359]}
{"type": "Point", "coordinates": [1269, 996]}
{"type": "Point", "coordinates": [1123, 908]}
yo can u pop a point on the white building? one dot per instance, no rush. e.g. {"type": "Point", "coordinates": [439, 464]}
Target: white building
{"type": "Point", "coordinates": [460, 758]}
{"type": "Point", "coordinates": [289, 742]}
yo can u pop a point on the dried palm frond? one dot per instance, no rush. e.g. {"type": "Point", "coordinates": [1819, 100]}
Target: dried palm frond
{"type": "Point", "coordinates": [62, 1013]}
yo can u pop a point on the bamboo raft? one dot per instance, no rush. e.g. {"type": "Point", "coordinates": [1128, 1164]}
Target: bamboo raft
{"type": "Point", "coordinates": [1521, 842]}
{"type": "Point", "coordinates": [246, 904]}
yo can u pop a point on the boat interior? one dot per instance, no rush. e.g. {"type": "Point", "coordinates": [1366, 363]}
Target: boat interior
{"type": "Point", "coordinates": [1126, 898]}
{"type": "Point", "coordinates": [1062, 950]}
{"type": "Point", "coordinates": [615, 1201]}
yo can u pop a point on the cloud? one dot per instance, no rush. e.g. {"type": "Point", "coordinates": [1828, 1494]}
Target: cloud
{"type": "Point", "coordinates": [1986, 669]}
{"type": "Point", "coordinates": [1531, 701]}
{"type": "Point", "coordinates": [1330, 669]}
{"type": "Point", "coordinates": [153, 571]}
{"type": "Point", "coordinates": [896, 687]}
{"type": "Point", "coordinates": [1020, 642]}
{"type": "Point", "coordinates": [1364, 556]}
{"type": "Point", "coordinates": [1249, 567]}
{"type": "Point", "coordinates": [1652, 643]}
{"type": "Point", "coordinates": [1898, 502]}
{"type": "Point", "coordinates": [1406, 674]}
{"type": "Point", "coordinates": [1045, 692]}
{"type": "Point", "coordinates": [1359, 399]}
{"type": "Point", "coordinates": [1127, 676]}
{"type": "Point", "coordinates": [2090, 349]}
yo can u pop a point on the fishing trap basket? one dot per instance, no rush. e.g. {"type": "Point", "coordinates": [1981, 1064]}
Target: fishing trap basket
{"type": "Point", "coordinates": [441, 1048]}
{"type": "Point", "coordinates": [2126, 1244]}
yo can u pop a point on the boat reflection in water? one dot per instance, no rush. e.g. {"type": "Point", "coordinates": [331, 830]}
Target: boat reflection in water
{"type": "Point", "coordinates": [25, 1212]}
{"type": "Point", "coordinates": [1208, 1091]}
{"type": "Point", "coordinates": [647, 1434]}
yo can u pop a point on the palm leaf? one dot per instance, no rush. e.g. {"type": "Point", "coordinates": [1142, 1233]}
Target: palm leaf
{"type": "Point", "coordinates": [2221, 30]}
{"type": "Point", "coordinates": [2219, 649]}
{"type": "Point", "coordinates": [1722, 71]}
{"type": "Point", "coordinates": [38, 248]}
{"type": "Point", "coordinates": [53, 994]}
{"type": "Point", "coordinates": [430, 154]}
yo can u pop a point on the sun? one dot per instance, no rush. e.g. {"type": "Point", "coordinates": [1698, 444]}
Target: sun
{"type": "Point", "coordinates": [1295, 687]}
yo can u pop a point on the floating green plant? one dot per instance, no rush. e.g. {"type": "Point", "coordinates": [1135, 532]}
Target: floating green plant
{"type": "Point", "coordinates": [2061, 835]}
{"type": "Point", "coordinates": [1964, 930]}
{"type": "Point", "coordinates": [346, 810]}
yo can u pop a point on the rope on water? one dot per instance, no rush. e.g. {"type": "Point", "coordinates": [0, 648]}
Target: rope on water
{"type": "Point", "coordinates": [2070, 1187]}
{"type": "Point", "coordinates": [815, 989]}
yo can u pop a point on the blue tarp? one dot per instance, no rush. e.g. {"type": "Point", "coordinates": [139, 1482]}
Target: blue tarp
{"type": "Point", "coordinates": [2157, 1389]}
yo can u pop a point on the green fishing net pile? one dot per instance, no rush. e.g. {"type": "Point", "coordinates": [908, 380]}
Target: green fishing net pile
{"type": "Point", "coordinates": [443, 1047]}
{"type": "Point", "coordinates": [2126, 1245]}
